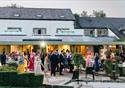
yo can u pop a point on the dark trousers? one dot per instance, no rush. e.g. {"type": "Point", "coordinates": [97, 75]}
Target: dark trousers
{"type": "Point", "coordinates": [60, 70]}
{"type": "Point", "coordinates": [3, 62]}
{"type": "Point", "coordinates": [53, 69]}
{"type": "Point", "coordinates": [70, 66]}
{"type": "Point", "coordinates": [42, 59]}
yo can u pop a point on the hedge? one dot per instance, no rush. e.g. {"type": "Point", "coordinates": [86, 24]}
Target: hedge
{"type": "Point", "coordinates": [20, 80]}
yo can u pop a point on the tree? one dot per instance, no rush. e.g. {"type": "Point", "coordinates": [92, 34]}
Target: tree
{"type": "Point", "coordinates": [99, 13]}
{"type": "Point", "coordinates": [14, 6]}
{"type": "Point", "coordinates": [84, 14]}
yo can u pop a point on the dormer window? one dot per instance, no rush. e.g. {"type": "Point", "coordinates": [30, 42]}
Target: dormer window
{"type": "Point", "coordinates": [39, 15]}
{"type": "Point", "coordinates": [62, 30]}
{"type": "Point", "coordinates": [62, 16]}
{"type": "Point", "coordinates": [16, 15]}
{"type": "Point", "coordinates": [13, 29]}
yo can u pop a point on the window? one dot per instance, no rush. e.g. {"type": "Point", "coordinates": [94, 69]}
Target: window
{"type": "Point", "coordinates": [16, 15]}
{"type": "Point", "coordinates": [13, 29]}
{"type": "Point", "coordinates": [89, 32]}
{"type": "Point", "coordinates": [62, 30]}
{"type": "Point", "coordinates": [102, 32]}
{"type": "Point", "coordinates": [39, 31]}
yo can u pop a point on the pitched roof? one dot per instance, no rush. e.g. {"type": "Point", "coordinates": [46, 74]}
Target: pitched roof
{"type": "Point", "coordinates": [36, 13]}
{"type": "Point", "coordinates": [101, 23]}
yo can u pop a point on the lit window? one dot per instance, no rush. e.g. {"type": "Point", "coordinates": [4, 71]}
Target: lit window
{"type": "Point", "coordinates": [39, 31]}
{"type": "Point", "coordinates": [13, 29]}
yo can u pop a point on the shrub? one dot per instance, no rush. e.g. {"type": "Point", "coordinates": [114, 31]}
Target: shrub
{"type": "Point", "coordinates": [13, 64]}
{"type": "Point", "coordinates": [8, 78]}
{"type": "Point", "coordinates": [20, 80]}
{"type": "Point", "coordinates": [7, 68]}
{"type": "Point", "coordinates": [109, 67]}
{"type": "Point", "coordinates": [78, 59]}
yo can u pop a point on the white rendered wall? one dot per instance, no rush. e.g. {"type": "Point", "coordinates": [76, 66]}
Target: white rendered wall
{"type": "Point", "coordinates": [28, 25]}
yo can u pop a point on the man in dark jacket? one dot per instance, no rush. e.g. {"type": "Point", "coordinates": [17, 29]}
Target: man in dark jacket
{"type": "Point", "coordinates": [3, 58]}
{"type": "Point", "coordinates": [61, 60]}
{"type": "Point", "coordinates": [54, 62]}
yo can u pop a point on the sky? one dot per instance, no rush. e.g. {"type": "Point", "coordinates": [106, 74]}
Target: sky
{"type": "Point", "coordinates": [112, 8]}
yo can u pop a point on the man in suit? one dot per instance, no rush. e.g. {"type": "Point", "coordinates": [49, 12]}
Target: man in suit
{"type": "Point", "coordinates": [54, 62]}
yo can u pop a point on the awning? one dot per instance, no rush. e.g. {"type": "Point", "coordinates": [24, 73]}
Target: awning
{"type": "Point", "coordinates": [57, 43]}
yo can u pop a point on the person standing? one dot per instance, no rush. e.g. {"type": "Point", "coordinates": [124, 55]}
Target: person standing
{"type": "Point", "coordinates": [31, 62]}
{"type": "Point", "coordinates": [61, 62]}
{"type": "Point", "coordinates": [54, 62]}
{"type": "Point", "coordinates": [3, 58]}
{"type": "Point", "coordinates": [69, 57]}
{"type": "Point", "coordinates": [42, 56]}
{"type": "Point", "coordinates": [46, 63]}
{"type": "Point", "coordinates": [21, 68]}
{"type": "Point", "coordinates": [28, 54]}
{"type": "Point", "coordinates": [96, 62]}
{"type": "Point", "coordinates": [25, 61]}
{"type": "Point", "coordinates": [37, 64]}
{"type": "Point", "coordinates": [122, 55]}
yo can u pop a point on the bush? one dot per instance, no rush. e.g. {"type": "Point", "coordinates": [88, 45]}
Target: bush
{"type": "Point", "coordinates": [20, 80]}
{"type": "Point", "coordinates": [78, 60]}
{"type": "Point", "coordinates": [13, 64]}
{"type": "Point", "coordinates": [8, 78]}
{"type": "Point", "coordinates": [109, 67]}
{"type": "Point", "coordinates": [7, 68]}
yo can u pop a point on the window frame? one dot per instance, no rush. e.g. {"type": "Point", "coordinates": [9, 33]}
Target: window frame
{"type": "Point", "coordinates": [39, 30]}
{"type": "Point", "coordinates": [13, 29]}
{"type": "Point", "coordinates": [62, 30]}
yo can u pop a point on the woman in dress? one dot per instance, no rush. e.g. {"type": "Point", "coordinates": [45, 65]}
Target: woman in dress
{"type": "Point", "coordinates": [21, 68]}
{"type": "Point", "coordinates": [46, 63]}
{"type": "Point", "coordinates": [37, 64]}
{"type": "Point", "coordinates": [25, 61]}
{"type": "Point", "coordinates": [31, 61]}
{"type": "Point", "coordinates": [88, 60]}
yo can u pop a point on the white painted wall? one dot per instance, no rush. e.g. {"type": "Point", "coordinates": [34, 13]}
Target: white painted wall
{"type": "Point", "coordinates": [28, 25]}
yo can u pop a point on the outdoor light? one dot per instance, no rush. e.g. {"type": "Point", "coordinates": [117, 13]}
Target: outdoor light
{"type": "Point", "coordinates": [43, 44]}
{"type": "Point", "coordinates": [66, 46]}
{"type": "Point", "coordinates": [110, 46]}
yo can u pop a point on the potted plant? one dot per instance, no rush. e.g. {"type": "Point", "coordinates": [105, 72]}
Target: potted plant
{"type": "Point", "coordinates": [78, 60]}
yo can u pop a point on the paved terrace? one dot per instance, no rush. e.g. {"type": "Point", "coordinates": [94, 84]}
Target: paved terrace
{"type": "Point", "coordinates": [101, 81]}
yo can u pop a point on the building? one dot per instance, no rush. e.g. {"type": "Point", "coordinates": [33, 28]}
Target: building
{"type": "Point", "coordinates": [28, 28]}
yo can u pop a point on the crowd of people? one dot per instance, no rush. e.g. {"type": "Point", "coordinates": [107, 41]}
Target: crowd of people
{"type": "Point", "coordinates": [39, 62]}
{"type": "Point", "coordinates": [53, 61]}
